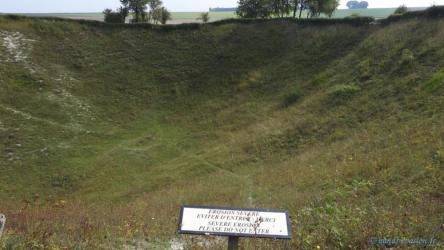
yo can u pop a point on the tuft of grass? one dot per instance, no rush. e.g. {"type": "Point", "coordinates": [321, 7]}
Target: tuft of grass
{"type": "Point", "coordinates": [435, 83]}
{"type": "Point", "coordinates": [341, 93]}
{"type": "Point", "coordinates": [291, 99]}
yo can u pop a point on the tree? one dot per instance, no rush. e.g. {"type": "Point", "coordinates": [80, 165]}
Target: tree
{"type": "Point", "coordinates": [111, 16]}
{"type": "Point", "coordinates": [295, 4]}
{"type": "Point", "coordinates": [314, 10]}
{"type": "Point", "coordinates": [401, 10]}
{"type": "Point", "coordinates": [281, 8]}
{"type": "Point", "coordinates": [255, 8]}
{"type": "Point", "coordinates": [329, 7]}
{"type": "Point", "coordinates": [161, 15]}
{"type": "Point", "coordinates": [125, 7]}
{"type": "Point", "coordinates": [137, 7]}
{"type": "Point", "coordinates": [303, 5]}
{"type": "Point", "coordinates": [317, 7]}
{"type": "Point", "coordinates": [204, 17]}
{"type": "Point", "coordinates": [155, 6]}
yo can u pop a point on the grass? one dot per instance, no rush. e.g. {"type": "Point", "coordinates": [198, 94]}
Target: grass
{"type": "Point", "coordinates": [106, 130]}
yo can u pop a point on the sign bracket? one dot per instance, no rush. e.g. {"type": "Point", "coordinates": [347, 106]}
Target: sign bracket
{"type": "Point", "coordinates": [233, 243]}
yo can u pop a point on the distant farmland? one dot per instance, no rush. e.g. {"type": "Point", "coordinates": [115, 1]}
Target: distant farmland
{"type": "Point", "coordinates": [190, 17]}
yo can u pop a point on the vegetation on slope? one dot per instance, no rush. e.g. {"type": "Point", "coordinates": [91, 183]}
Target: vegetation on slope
{"type": "Point", "coordinates": [106, 130]}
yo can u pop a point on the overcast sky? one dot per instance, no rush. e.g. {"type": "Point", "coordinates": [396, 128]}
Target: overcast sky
{"type": "Point", "coordinates": [45, 6]}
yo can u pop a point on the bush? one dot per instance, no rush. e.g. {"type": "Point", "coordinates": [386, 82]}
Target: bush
{"type": "Point", "coordinates": [431, 13]}
{"type": "Point", "coordinates": [165, 15]}
{"type": "Point", "coordinates": [365, 68]}
{"type": "Point", "coordinates": [113, 17]}
{"type": "Point", "coordinates": [342, 92]}
{"type": "Point", "coordinates": [401, 10]}
{"type": "Point", "coordinates": [254, 9]}
{"type": "Point", "coordinates": [204, 17]}
{"type": "Point", "coordinates": [291, 99]}
{"type": "Point", "coordinates": [407, 57]}
{"type": "Point", "coordinates": [355, 21]}
{"type": "Point", "coordinates": [319, 79]}
{"type": "Point", "coordinates": [434, 12]}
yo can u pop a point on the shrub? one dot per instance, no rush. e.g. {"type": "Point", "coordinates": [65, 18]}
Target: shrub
{"type": "Point", "coordinates": [407, 57]}
{"type": "Point", "coordinates": [254, 9]}
{"type": "Point", "coordinates": [291, 99]}
{"type": "Point", "coordinates": [165, 15]}
{"type": "Point", "coordinates": [204, 17]}
{"type": "Point", "coordinates": [113, 17]}
{"type": "Point", "coordinates": [401, 10]}
{"type": "Point", "coordinates": [359, 20]}
{"type": "Point", "coordinates": [342, 92]}
{"type": "Point", "coordinates": [432, 13]}
{"type": "Point", "coordinates": [436, 82]}
{"type": "Point", "coordinates": [319, 79]}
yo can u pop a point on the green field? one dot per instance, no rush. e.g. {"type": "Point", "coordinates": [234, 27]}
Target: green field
{"type": "Point", "coordinates": [106, 130]}
{"type": "Point", "coordinates": [189, 17]}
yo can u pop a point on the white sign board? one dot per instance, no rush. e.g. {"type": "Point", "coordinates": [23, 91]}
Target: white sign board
{"type": "Point", "coordinates": [259, 223]}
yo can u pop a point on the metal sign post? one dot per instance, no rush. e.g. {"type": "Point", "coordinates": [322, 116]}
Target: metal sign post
{"type": "Point", "coordinates": [234, 223]}
{"type": "Point", "coordinates": [2, 223]}
{"type": "Point", "coordinates": [233, 243]}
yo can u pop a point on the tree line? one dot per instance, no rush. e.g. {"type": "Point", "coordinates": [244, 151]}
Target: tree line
{"type": "Point", "coordinates": [285, 8]}
{"type": "Point", "coordinates": [140, 11]}
{"type": "Point", "coordinates": [152, 11]}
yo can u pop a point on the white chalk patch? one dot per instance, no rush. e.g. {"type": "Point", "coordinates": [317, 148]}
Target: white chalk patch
{"type": "Point", "coordinates": [177, 244]}
{"type": "Point", "coordinates": [18, 48]}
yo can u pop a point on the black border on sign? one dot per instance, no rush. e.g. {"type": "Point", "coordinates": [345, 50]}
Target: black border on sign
{"type": "Point", "coordinates": [180, 231]}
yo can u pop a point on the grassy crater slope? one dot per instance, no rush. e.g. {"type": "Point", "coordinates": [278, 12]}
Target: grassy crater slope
{"type": "Point", "coordinates": [106, 130]}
